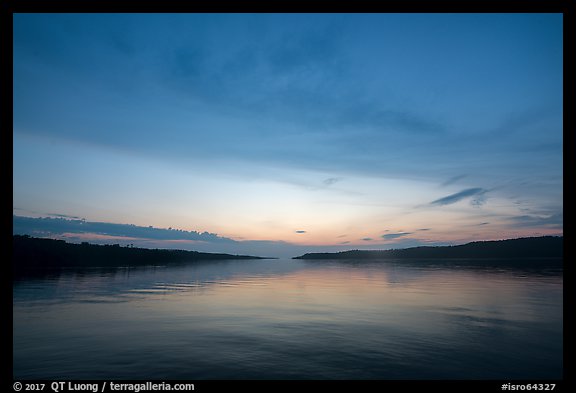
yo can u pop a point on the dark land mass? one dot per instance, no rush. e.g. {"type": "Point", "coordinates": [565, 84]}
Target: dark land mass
{"type": "Point", "coordinates": [35, 253]}
{"type": "Point", "coordinates": [525, 248]}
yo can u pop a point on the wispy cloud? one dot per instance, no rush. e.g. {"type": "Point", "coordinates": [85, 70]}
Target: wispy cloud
{"type": "Point", "coordinates": [554, 220]}
{"type": "Point", "coordinates": [300, 231]}
{"type": "Point", "coordinates": [57, 215]}
{"type": "Point", "coordinates": [479, 200]}
{"type": "Point", "coordinates": [390, 236]}
{"type": "Point", "coordinates": [371, 115]}
{"type": "Point", "coordinates": [331, 180]}
{"type": "Point", "coordinates": [406, 242]}
{"type": "Point", "coordinates": [453, 180]}
{"type": "Point", "coordinates": [477, 193]}
{"type": "Point", "coordinates": [367, 239]}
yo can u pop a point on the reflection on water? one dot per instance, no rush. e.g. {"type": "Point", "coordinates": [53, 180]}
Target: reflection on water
{"type": "Point", "coordinates": [292, 319]}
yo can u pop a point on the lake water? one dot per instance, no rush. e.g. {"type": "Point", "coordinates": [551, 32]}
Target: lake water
{"type": "Point", "coordinates": [291, 319]}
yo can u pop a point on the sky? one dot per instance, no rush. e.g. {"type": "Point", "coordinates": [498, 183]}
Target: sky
{"type": "Point", "coordinates": [278, 134]}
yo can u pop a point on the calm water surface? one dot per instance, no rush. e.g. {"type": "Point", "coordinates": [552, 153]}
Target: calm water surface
{"type": "Point", "coordinates": [291, 319]}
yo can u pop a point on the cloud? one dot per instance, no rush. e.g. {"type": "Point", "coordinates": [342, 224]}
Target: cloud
{"type": "Point", "coordinates": [369, 114]}
{"type": "Point", "coordinates": [479, 200]}
{"type": "Point", "coordinates": [367, 239]}
{"type": "Point", "coordinates": [390, 236]}
{"type": "Point", "coordinates": [331, 180]}
{"type": "Point", "coordinates": [49, 226]}
{"type": "Point", "coordinates": [300, 231]}
{"type": "Point", "coordinates": [424, 229]}
{"type": "Point", "coordinates": [554, 220]}
{"type": "Point", "coordinates": [453, 180]}
{"type": "Point", "coordinates": [314, 47]}
{"type": "Point", "coordinates": [404, 243]}
{"type": "Point", "coordinates": [56, 215]}
{"type": "Point", "coordinates": [477, 192]}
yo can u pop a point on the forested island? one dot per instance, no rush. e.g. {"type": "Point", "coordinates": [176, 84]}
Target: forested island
{"type": "Point", "coordinates": [531, 247]}
{"type": "Point", "coordinates": [30, 252]}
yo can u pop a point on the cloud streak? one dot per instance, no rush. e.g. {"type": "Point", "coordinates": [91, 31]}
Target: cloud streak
{"type": "Point", "coordinates": [477, 193]}
{"type": "Point", "coordinates": [390, 236]}
{"type": "Point", "coordinates": [553, 220]}
{"type": "Point", "coordinates": [331, 180]}
{"type": "Point", "coordinates": [57, 215]}
{"type": "Point", "coordinates": [453, 180]}
{"type": "Point", "coordinates": [49, 226]}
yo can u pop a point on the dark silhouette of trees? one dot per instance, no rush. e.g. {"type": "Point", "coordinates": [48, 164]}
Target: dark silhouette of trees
{"type": "Point", "coordinates": [531, 247]}
{"type": "Point", "coordinates": [30, 252]}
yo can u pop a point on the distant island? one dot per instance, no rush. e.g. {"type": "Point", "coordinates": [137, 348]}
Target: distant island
{"type": "Point", "coordinates": [31, 252]}
{"type": "Point", "coordinates": [530, 247]}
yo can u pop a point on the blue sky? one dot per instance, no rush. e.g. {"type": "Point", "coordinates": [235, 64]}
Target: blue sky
{"type": "Point", "coordinates": [290, 132]}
